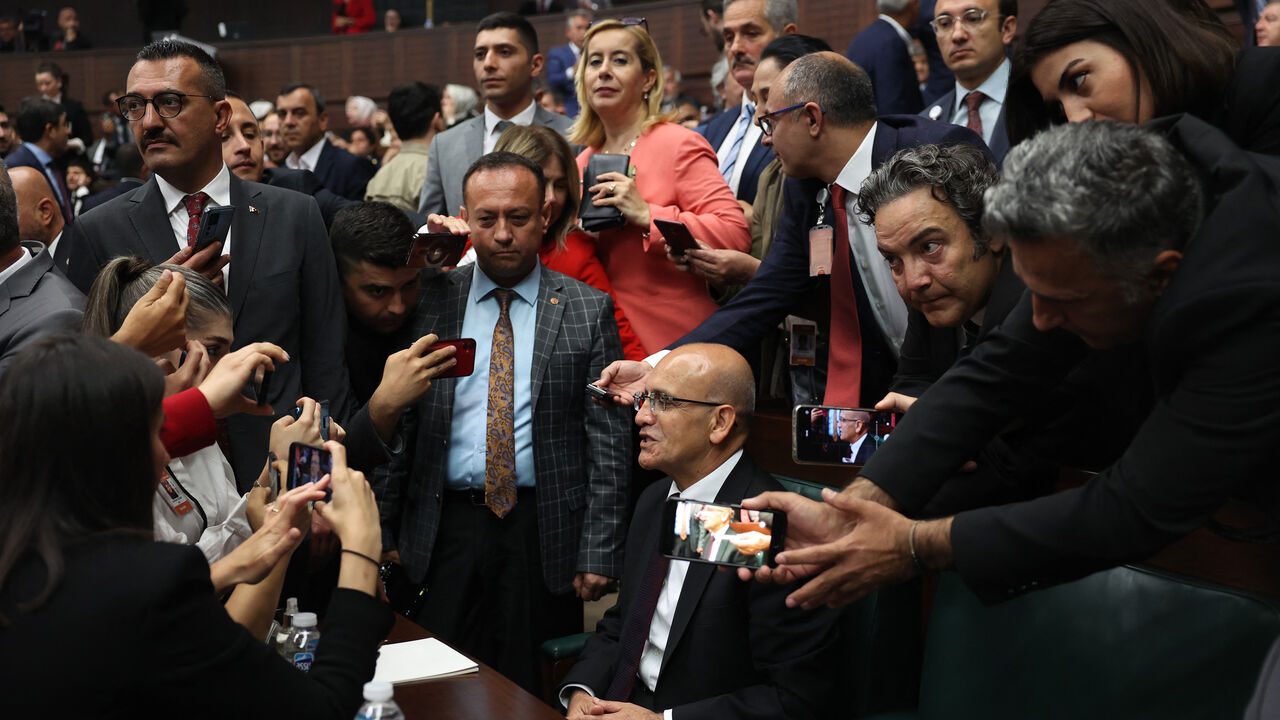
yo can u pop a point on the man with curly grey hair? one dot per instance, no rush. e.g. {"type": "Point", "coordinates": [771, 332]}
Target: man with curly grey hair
{"type": "Point", "coordinates": [1137, 245]}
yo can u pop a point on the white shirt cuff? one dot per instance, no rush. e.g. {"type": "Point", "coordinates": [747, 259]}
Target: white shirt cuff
{"type": "Point", "coordinates": [566, 693]}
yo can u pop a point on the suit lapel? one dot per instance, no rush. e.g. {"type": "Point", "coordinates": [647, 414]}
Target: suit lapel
{"type": "Point", "coordinates": [150, 220]}
{"type": "Point", "coordinates": [549, 311]}
{"type": "Point", "coordinates": [246, 239]}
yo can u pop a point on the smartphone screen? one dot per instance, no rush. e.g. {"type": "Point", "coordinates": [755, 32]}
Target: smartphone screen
{"type": "Point", "coordinates": [438, 250]}
{"type": "Point", "coordinates": [677, 236]}
{"type": "Point", "coordinates": [308, 464]}
{"type": "Point", "coordinates": [846, 437]}
{"type": "Point", "coordinates": [721, 534]}
{"type": "Point", "coordinates": [465, 357]}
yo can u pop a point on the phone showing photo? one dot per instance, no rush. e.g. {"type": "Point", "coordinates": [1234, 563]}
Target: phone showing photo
{"type": "Point", "coordinates": [437, 250]}
{"type": "Point", "coordinates": [845, 437]}
{"type": "Point", "coordinates": [465, 357]}
{"type": "Point", "coordinates": [308, 464]}
{"type": "Point", "coordinates": [720, 534]}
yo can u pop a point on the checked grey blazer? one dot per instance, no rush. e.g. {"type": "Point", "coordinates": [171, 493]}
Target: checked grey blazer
{"type": "Point", "coordinates": [582, 452]}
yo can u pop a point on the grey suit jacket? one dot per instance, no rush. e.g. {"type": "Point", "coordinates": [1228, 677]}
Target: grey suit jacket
{"type": "Point", "coordinates": [34, 301]}
{"type": "Point", "coordinates": [453, 151]}
{"type": "Point", "coordinates": [582, 452]}
{"type": "Point", "coordinates": [283, 287]}
{"type": "Point", "coordinates": [944, 107]}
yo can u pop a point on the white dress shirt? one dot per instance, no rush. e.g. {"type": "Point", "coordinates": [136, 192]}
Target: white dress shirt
{"type": "Point", "coordinates": [308, 160]}
{"type": "Point", "coordinates": [219, 192]}
{"type": "Point", "coordinates": [994, 87]}
{"type": "Point", "coordinates": [491, 120]}
{"type": "Point", "coordinates": [749, 142]}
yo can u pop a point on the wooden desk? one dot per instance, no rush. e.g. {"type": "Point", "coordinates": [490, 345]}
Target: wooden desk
{"type": "Point", "coordinates": [483, 695]}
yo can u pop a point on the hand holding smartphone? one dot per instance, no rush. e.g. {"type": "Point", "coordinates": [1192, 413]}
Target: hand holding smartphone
{"type": "Point", "coordinates": [465, 356]}
{"type": "Point", "coordinates": [677, 236]}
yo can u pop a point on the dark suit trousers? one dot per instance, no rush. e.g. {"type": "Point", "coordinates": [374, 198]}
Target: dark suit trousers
{"type": "Point", "coordinates": [485, 592]}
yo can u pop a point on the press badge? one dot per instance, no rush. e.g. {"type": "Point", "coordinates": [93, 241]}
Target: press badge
{"type": "Point", "coordinates": [173, 492]}
{"type": "Point", "coordinates": [821, 237]}
{"type": "Point", "coordinates": [804, 342]}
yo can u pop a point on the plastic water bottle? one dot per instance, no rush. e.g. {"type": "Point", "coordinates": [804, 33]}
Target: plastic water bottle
{"type": "Point", "coordinates": [301, 648]}
{"type": "Point", "coordinates": [378, 704]}
{"type": "Point", "coordinates": [281, 638]}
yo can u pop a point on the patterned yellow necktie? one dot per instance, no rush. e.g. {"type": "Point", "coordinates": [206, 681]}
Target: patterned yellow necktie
{"type": "Point", "coordinates": [500, 428]}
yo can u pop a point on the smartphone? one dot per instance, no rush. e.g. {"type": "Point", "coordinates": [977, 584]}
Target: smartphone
{"type": "Point", "coordinates": [215, 222]}
{"type": "Point", "coordinates": [465, 357]}
{"type": "Point", "coordinates": [260, 392]}
{"type": "Point", "coordinates": [844, 437]}
{"type": "Point", "coordinates": [308, 464]}
{"type": "Point", "coordinates": [721, 534]}
{"type": "Point", "coordinates": [324, 418]}
{"type": "Point", "coordinates": [438, 250]}
{"type": "Point", "coordinates": [598, 392]}
{"type": "Point", "coordinates": [677, 236]}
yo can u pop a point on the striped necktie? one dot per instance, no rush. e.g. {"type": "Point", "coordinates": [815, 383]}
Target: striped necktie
{"type": "Point", "coordinates": [731, 158]}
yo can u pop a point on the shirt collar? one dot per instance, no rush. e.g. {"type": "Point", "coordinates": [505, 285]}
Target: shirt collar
{"type": "Point", "coordinates": [218, 190]}
{"type": "Point", "coordinates": [577, 51]}
{"type": "Point", "coordinates": [526, 289]}
{"type": "Point", "coordinates": [858, 168]}
{"type": "Point", "coordinates": [311, 158]}
{"type": "Point", "coordinates": [708, 487]}
{"type": "Point", "coordinates": [524, 117]}
{"type": "Point", "coordinates": [902, 32]}
{"type": "Point", "coordinates": [993, 87]}
{"type": "Point", "coordinates": [39, 152]}
{"type": "Point", "coordinates": [28, 253]}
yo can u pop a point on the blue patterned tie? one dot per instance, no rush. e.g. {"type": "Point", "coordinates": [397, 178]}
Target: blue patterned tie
{"type": "Point", "coordinates": [731, 159]}
{"type": "Point", "coordinates": [500, 427]}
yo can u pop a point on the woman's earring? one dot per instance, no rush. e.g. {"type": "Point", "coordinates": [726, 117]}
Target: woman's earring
{"type": "Point", "coordinates": [646, 96]}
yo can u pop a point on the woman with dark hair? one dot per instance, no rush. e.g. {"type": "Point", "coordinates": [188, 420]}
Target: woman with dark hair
{"type": "Point", "coordinates": [565, 247]}
{"type": "Point", "coordinates": [79, 569]}
{"type": "Point", "coordinates": [1128, 61]}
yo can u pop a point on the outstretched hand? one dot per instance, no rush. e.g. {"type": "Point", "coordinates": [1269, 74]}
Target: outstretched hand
{"type": "Point", "coordinates": [624, 378]}
{"type": "Point", "coordinates": [157, 323]}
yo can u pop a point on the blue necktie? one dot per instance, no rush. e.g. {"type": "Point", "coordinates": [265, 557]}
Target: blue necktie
{"type": "Point", "coordinates": [740, 130]}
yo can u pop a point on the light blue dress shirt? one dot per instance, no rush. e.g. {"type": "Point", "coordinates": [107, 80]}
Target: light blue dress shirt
{"type": "Point", "coordinates": [46, 166]}
{"type": "Point", "coordinates": [471, 394]}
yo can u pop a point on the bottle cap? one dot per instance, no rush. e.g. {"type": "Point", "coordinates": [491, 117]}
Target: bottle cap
{"type": "Point", "coordinates": [304, 620]}
{"type": "Point", "coordinates": [379, 691]}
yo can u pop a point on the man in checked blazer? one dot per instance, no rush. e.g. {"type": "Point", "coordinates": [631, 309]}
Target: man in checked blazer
{"type": "Point", "coordinates": [501, 579]}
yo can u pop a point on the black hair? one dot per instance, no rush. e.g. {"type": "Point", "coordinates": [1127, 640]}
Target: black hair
{"type": "Point", "coordinates": [524, 29]}
{"type": "Point", "coordinates": [79, 463]}
{"type": "Point", "coordinates": [315, 94]}
{"type": "Point", "coordinates": [34, 114]}
{"type": "Point", "coordinates": [378, 233]}
{"type": "Point", "coordinates": [789, 48]}
{"type": "Point", "coordinates": [500, 160]}
{"type": "Point", "coordinates": [211, 75]}
{"type": "Point", "coordinates": [10, 237]}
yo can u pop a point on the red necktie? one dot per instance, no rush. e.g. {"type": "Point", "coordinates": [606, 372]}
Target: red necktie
{"type": "Point", "coordinates": [195, 210]}
{"type": "Point", "coordinates": [844, 360]}
{"type": "Point", "coordinates": [973, 100]}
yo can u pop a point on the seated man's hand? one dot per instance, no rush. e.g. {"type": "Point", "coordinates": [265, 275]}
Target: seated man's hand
{"type": "Point", "coordinates": [208, 262]}
{"type": "Point", "coordinates": [223, 389]}
{"type": "Point", "coordinates": [591, 587]}
{"type": "Point", "coordinates": [720, 267]}
{"type": "Point", "coordinates": [615, 710]}
{"type": "Point", "coordinates": [581, 705]}
{"type": "Point", "coordinates": [624, 378]}
{"type": "Point", "coordinates": [158, 322]}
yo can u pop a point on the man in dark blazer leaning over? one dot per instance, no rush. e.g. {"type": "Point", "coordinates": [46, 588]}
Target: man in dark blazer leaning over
{"type": "Point", "coordinates": [506, 60]}
{"type": "Point", "coordinates": [683, 636]}
{"type": "Point", "coordinates": [303, 121]}
{"type": "Point", "coordinates": [882, 49]}
{"type": "Point", "coordinates": [508, 501]}
{"type": "Point", "coordinates": [281, 278]}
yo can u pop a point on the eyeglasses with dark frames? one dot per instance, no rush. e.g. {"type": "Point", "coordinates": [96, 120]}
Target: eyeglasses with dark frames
{"type": "Point", "coordinates": [766, 121]}
{"type": "Point", "coordinates": [168, 104]}
{"type": "Point", "coordinates": [662, 402]}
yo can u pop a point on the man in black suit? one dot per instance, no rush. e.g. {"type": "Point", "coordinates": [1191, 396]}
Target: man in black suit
{"type": "Point", "coordinates": [827, 135]}
{"type": "Point", "coordinates": [303, 122]}
{"type": "Point", "coordinates": [684, 637]}
{"type": "Point", "coordinates": [39, 217]}
{"type": "Point", "coordinates": [857, 443]}
{"type": "Point", "coordinates": [882, 49]}
{"type": "Point", "coordinates": [42, 125]}
{"type": "Point", "coordinates": [1149, 247]}
{"type": "Point", "coordinates": [35, 298]}
{"type": "Point", "coordinates": [281, 280]}
{"type": "Point", "coordinates": [973, 36]}
{"type": "Point", "coordinates": [49, 81]}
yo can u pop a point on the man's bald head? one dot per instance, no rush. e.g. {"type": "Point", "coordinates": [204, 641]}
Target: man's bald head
{"type": "Point", "coordinates": [39, 216]}
{"type": "Point", "coordinates": [720, 371]}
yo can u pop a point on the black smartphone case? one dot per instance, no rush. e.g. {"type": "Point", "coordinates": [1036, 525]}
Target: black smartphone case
{"type": "Point", "coordinates": [595, 219]}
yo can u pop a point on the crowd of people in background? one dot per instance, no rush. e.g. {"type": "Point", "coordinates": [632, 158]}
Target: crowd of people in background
{"type": "Point", "coordinates": [1002, 229]}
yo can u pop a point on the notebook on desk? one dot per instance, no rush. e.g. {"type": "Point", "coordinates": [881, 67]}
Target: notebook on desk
{"type": "Point", "coordinates": [425, 659]}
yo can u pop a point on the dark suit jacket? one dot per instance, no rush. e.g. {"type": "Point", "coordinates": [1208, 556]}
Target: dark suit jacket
{"type": "Point", "coordinates": [944, 108]}
{"type": "Point", "coordinates": [283, 288]}
{"type": "Point", "coordinates": [880, 51]}
{"type": "Point", "coordinates": [1210, 345]}
{"type": "Point", "coordinates": [23, 157]}
{"type": "Point", "coordinates": [581, 451]}
{"type": "Point", "coordinates": [717, 129]}
{"type": "Point", "coordinates": [306, 182]}
{"type": "Point", "coordinates": [125, 185]}
{"type": "Point", "coordinates": [343, 173]}
{"type": "Point", "coordinates": [941, 79]}
{"type": "Point", "coordinates": [734, 650]}
{"type": "Point", "coordinates": [1266, 697]}
{"type": "Point", "coordinates": [782, 284]}
{"type": "Point", "coordinates": [129, 595]}
{"type": "Point", "coordinates": [560, 63]}
{"type": "Point", "coordinates": [34, 301]}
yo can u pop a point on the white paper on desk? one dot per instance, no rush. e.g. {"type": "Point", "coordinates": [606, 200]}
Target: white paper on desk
{"type": "Point", "coordinates": [420, 660]}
